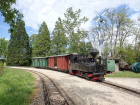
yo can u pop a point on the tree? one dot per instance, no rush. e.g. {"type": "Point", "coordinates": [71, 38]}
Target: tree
{"type": "Point", "coordinates": [3, 47]}
{"type": "Point", "coordinates": [127, 53]}
{"type": "Point", "coordinates": [42, 42]}
{"type": "Point", "coordinates": [11, 15]}
{"type": "Point", "coordinates": [59, 39]}
{"type": "Point", "coordinates": [18, 48]}
{"type": "Point", "coordinates": [72, 26]}
{"type": "Point", "coordinates": [116, 30]}
{"type": "Point", "coordinates": [32, 39]}
{"type": "Point", "coordinates": [31, 43]}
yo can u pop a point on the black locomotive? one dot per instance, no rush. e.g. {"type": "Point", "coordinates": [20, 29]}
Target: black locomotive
{"type": "Point", "coordinates": [90, 68]}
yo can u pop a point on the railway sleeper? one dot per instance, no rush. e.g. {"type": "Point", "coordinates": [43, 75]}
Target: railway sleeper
{"type": "Point", "coordinates": [57, 100]}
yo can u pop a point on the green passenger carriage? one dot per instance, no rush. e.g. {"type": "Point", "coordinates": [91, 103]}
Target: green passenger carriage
{"type": "Point", "coordinates": [41, 62]}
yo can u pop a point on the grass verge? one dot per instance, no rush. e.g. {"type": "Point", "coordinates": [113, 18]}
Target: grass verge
{"type": "Point", "coordinates": [16, 87]}
{"type": "Point", "coordinates": [128, 74]}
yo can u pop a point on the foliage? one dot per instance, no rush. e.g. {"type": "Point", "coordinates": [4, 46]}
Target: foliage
{"type": "Point", "coordinates": [115, 33]}
{"type": "Point", "coordinates": [72, 26]}
{"type": "Point", "coordinates": [18, 48]}
{"type": "Point", "coordinates": [127, 53]}
{"type": "Point", "coordinates": [41, 45]}
{"type": "Point", "coordinates": [116, 30]}
{"type": "Point", "coordinates": [125, 74]}
{"type": "Point", "coordinates": [1, 66]}
{"type": "Point", "coordinates": [16, 87]}
{"type": "Point", "coordinates": [137, 52]}
{"type": "Point", "coordinates": [32, 41]}
{"type": "Point", "coordinates": [59, 39]}
{"type": "Point", "coordinates": [11, 14]}
{"type": "Point", "coordinates": [3, 47]}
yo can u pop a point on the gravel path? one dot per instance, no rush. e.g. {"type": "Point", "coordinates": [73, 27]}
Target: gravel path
{"type": "Point", "coordinates": [85, 92]}
{"type": "Point", "coordinates": [129, 82]}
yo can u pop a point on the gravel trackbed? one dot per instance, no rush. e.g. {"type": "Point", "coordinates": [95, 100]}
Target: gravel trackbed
{"type": "Point", "coordinates": [84, 92]}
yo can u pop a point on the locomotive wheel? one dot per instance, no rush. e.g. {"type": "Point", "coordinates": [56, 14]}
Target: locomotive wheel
{"type": "Point", "coordinates": [81, 74]}
{"type": "Point", "coordinates": [90, 78]}
{"type": "Point", "coordinates": [84, 75]}
{"type": "Point", "coordinates": [87, 76]}
{"type": "Point", "coordinates": [77, 74]}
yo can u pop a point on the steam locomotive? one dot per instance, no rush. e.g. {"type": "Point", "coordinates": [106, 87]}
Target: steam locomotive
{"type": "Point", "coordinates": [91, 68]}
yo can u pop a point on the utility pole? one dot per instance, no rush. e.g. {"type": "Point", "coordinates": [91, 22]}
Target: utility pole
{"type": "Point", "coordinates": [100, 20]}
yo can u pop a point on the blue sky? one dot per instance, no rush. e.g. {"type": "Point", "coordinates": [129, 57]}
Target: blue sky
{"type": "Point", "coordinates": [37, 11]}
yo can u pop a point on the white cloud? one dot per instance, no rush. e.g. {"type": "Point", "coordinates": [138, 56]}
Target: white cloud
{"type": "Point", "coordinates": [135, 16]}
{"type": "Point", "coordinates": [135, 4]}
{"type": "Point", "coordinates": [37, 11]}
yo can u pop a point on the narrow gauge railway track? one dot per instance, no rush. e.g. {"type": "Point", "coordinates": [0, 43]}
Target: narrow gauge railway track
{"type": "Point", "coordinates": [53, 93]}
{"type": "Point", "coordinates": [119, 87]}
{"type": "Point", "coordinates": [122, 88]}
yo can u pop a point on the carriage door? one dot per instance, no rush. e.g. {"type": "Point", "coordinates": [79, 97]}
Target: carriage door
{"type": "Point", "coordinates": [55, 62]}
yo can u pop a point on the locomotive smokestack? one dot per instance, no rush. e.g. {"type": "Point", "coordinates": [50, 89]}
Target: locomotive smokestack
{"type": "Point", "coordinates": [94, 52]}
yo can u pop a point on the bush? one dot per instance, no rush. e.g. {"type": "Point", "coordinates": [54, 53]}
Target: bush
{"type": "Point", "coordinates": [1, 66]}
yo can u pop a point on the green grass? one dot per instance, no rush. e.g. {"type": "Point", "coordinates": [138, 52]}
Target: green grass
{"type": "Point", "coordinates": [128, 74]}
{"type": "Point", "coordinates": [16, 87]}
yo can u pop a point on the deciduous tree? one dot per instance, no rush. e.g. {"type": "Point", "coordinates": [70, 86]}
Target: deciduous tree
{"type": "Point", "coordinates": [59, 39]}
{"type": "Point", "coordinates": [116, 30]}
{"type": "Point", "coordinates": [72, 25]}
{"type": "Point", "coordinates": [11, 15]}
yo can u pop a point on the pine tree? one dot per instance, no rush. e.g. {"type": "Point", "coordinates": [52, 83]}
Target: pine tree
{"type": "Point", "coordinates": [18, 48]}
{"type": "Point", "coordinates": [32, 41]}
{"type": "Point", "coordinates": [59, 39]}
{"type": "Point", "coordinates": [42, 42]}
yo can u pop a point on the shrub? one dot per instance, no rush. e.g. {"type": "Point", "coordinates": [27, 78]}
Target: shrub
{"type": "Point", "coordinates": [1, 66]}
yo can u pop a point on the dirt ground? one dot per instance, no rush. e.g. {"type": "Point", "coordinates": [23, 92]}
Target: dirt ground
{"type": "Point", "coordinates": [84, 92]}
